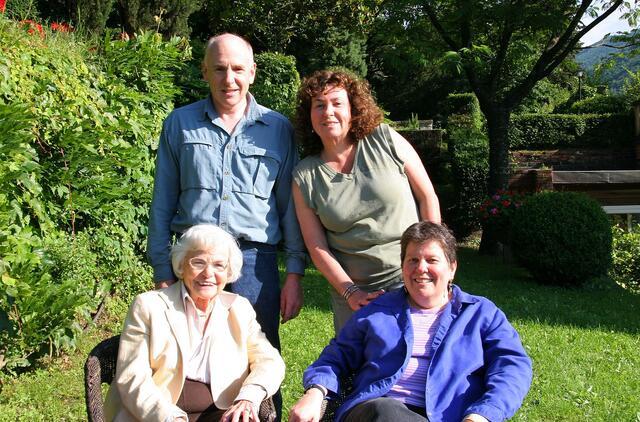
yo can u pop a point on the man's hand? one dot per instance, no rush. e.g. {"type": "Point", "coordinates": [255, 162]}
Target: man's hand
{"type": "Point", "coordinates": [291, 297]}
{"type": "Point", "coordinates": [360, 298]}
{"type": "Point", "coordinates": [307, 409]}
{"type": "Point", "coordinates": [164, 283]}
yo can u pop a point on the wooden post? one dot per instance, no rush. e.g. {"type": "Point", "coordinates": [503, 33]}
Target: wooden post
{"type": "Point", "coordinates": [636, 121]}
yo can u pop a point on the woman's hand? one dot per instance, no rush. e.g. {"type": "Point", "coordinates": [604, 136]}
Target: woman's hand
{"type": "Point", "coordinates": [241, 411]}
{"type": "Point", "coordinates": [307, 409]}
{"type": "Point", "coordinates": [360, 298]}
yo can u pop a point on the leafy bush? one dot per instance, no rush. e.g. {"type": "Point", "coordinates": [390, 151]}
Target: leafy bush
{"type": "Point", "coordinates": [601, 104]}
{"type": "Point", "coordinates": [469, 150]}
{"type": "Point", "coordinates": [626, 257]}
{"type": "Point", "coordinates": [76, 164]}
{"type": "Point", "coordinates": [562, 238]}
{"type": "Point", "coordinates": [277, 82]}
{"type": "Point", "coordinates": [544, 98]}
{"type": "Point", "coordinates": [540, 131]}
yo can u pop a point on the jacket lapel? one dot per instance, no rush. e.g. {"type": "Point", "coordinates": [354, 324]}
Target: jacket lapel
{"type": "Point", "coordinates": [177, 319]}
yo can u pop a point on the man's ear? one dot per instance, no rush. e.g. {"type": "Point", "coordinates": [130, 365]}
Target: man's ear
{"type": "Point", "coordinates": [203, 70]}
{"type": "Point", "coordinates": [253, 73]}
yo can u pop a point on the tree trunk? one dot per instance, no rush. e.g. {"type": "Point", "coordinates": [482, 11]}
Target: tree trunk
{"type": "Point", "coordinates": [499, 169]}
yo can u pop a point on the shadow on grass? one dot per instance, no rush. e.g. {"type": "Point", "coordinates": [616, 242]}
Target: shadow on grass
{"type": "Point", "coordinates": [605, 306]}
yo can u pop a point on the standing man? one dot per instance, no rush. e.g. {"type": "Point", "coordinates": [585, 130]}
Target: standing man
{"type": "Point", "coordinates": [227, 160]}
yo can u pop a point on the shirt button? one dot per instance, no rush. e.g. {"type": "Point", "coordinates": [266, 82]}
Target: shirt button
{"type": "Point", "coordinates": [228, 146]}
{"type": "Point", "coordinates": [226, 172]}
{"type": "Point", "coordinates": [225, 197]}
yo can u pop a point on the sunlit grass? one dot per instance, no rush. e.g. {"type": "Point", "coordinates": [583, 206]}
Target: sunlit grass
{"type": "Point", "coordinates": [585, 345]}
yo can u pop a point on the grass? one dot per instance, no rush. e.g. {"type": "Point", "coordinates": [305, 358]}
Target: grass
{"type": "Point", "coordinates": [585, 345]}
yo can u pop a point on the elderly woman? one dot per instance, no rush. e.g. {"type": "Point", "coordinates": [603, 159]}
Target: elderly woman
{"type": "Point", "coordinates": [428, 351]}
{"type": "Point", "coordinates": [192, 350]}
{"type": "Point", "coordinates": [362, 185]}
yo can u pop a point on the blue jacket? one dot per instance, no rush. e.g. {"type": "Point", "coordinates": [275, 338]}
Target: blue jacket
{"type": "Point", "coordinates": [478, 365]}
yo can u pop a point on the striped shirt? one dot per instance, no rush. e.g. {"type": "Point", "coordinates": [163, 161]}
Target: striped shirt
{"type": "Point", "coordinates": [410, 388]}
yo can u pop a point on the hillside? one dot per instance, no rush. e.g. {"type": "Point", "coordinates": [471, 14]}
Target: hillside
{"type": "Point", "coordinates": [602, 51]}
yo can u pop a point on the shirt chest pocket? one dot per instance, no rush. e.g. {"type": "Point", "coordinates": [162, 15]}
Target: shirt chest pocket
{"type": "Point", "coordinates": [255, 170]}
{"type": "Point", "coordinates": [200, 164]}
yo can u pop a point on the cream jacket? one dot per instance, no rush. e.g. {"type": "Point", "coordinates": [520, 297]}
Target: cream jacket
{"type": "Point", "coordinates": [154, 347]}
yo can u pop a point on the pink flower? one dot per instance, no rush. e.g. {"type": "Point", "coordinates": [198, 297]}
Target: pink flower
{"type": "Point", "coordinates": [496, 197]}
{"type": "Point", "coordinates": [3, 5]}
{"type": "Point", "coordinates": [493, 211]}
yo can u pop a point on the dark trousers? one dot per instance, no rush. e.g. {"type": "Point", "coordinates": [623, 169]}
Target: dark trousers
{"type": "Point", "coordinates": [260, 285]}
{"type": "Point", "coordinates": [195, 399]}
{"type": "Point", "coordinates": [385, 409]}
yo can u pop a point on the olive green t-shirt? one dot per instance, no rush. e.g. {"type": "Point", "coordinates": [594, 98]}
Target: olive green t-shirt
{"type": "Point", "coordinates": [364, 212]}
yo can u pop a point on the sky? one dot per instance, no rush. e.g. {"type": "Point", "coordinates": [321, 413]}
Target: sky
{"type": "Point", "coordinates": [612, 24]}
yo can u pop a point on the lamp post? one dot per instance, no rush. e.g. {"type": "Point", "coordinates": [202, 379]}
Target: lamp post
{"type": "Point", "coordinates": [580, 76]}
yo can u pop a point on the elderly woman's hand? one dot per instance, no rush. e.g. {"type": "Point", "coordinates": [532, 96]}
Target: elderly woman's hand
{"type": "Point", "coordinates": [241, 411]}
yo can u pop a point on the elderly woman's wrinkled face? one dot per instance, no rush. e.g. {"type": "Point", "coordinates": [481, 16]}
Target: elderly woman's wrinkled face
{"type": "Point", "coordinates": [426, 273]}
{"type": "Point", "coordinates": [205, 273]}
{"type": "Point", "coordinates": [331, 114]}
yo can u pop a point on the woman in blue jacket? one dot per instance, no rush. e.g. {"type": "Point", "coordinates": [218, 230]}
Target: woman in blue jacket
{"type": "Point", "coordinates": [426, 352]}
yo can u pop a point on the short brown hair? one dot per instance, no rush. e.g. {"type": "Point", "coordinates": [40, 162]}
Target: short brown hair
{"type": "Point", "coordinates": [426, 231]}
{"type": "Point", "coordinates": [365, 113]}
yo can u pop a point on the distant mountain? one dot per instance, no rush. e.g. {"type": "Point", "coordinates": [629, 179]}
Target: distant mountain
{"type": "Point", "coordinates": [601, 51]}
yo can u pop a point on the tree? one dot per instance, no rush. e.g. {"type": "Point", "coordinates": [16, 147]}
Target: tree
{"type": "Point", "coordinates": [504, 48]}
{"type": "Point", "coordinates": [319, 33]}
{"type": "Point", "coordinates": [169, 17]}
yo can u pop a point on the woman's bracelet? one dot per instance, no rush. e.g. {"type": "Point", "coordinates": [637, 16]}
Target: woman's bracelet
{"type": "Point", "coordinates": [349, 291]}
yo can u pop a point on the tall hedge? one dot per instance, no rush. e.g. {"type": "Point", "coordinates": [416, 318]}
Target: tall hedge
{"type": "Point", "coordinates": [463, 104]}
{"type": "Point", "coordinates": [545, 131]}
{"type": "Point", "coordinates": [469, 150]}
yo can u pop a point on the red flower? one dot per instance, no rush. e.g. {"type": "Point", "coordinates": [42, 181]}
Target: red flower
{"type": "Point", "coordinates": [32, 27]}
{"type": "Point", "coordinates": [61, 27]}
{"type": "Point", "coordinates": [3, 5]}
{"type": "Point", "coordinates": [506, 203]}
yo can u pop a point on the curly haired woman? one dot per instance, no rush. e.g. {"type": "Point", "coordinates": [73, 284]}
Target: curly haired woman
{"type": "Point", "coordinates": [360, 188]}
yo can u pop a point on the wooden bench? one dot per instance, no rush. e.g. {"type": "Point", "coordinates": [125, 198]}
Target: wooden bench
{"type": "Point", "coordinates": [618, 191]}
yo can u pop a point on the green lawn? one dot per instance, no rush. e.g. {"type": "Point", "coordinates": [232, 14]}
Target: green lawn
{"type": "Point", "coordinates": [585, 345]}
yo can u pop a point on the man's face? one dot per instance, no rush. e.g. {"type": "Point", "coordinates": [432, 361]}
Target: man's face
{"type": "Point", "coordinates": [229, 70]}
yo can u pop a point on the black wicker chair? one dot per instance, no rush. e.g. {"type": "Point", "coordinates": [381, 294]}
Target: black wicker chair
{"type": "Point", "coordinates": [329, 407]}
{"type": "Point", "coordinates": [100, 368]}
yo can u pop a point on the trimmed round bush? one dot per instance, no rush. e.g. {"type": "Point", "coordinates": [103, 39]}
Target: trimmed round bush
{"type": "Point", "coordinates": [562, 238]}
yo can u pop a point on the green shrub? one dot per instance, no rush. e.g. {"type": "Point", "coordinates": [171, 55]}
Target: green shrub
{"type": "Point", "coordinates": [469, 150]}
{"type": "Point", "coordinates": [601, 104]}
{"type": "Point", "coordinates": [562, 238]}
{"type": "Point", "coordinates": [626, 257]}
{"type": "Point", "coordinates": [544, 131]}
{"type": "Point", "coordinates": [463, 104]}
{"type": "Point", "coordinates": [277, 82]}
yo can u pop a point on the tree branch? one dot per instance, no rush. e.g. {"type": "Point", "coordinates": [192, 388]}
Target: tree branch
{"type": "Point", "coordinates": [438, 26]}
{"type": "Point", "coordinates": [553, 56]}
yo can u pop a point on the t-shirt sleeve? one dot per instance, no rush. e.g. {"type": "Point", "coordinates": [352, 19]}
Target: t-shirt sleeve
{"type": "Point", "coordinates": [302, 177]}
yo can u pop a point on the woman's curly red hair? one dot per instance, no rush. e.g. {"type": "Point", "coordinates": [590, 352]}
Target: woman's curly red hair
{"type": "Point", "coordinates": [365, 113]}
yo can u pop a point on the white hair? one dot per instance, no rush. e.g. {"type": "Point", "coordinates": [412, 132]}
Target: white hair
{"type": "Point", "coordinates": [205, 237]}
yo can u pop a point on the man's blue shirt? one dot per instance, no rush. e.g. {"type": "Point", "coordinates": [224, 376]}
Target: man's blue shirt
{"type": "Point", "coordinates": [239, 181]}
